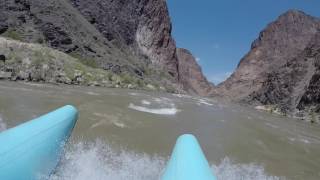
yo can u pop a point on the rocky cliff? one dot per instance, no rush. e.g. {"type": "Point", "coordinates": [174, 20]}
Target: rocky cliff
{"type": "Point", "coordinates": [123, 37]}
{"type": "Point", "coordinates": [192, 77]}
{"type": "Point", "coordinates": [281, 68]}
{"type": "Point", "coordinates": [142, 25]}
{"type": "Point", "coordinates": [34, 62]}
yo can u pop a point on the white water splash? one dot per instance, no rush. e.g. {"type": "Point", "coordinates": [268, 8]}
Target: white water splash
{"type": "Point", "coordinates": [300, 139]}
{"type": "Point", "coordinates": [133, 94]}
{"type": "Point", "coordinates": [161, 111]}
{"type": "Point", "coordinates": [99, 161]}
{"type": "Point", "coordinates": [227, 170]}
{"type": "Point", "coordinates": [205, 102]}
{"type": "Point", "coordinates": [160, 105]}
{"type": "Point", "coordinates": [92, 93]}
{"type": "Point", "coordinates": [3, 125]}
{"type": "Point", "coordinates": [182, 95]}
{"type": "Point", "coordinates": [145, 102]}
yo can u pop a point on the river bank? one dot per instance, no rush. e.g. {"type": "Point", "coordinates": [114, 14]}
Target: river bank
{"type": "Point", "coordinates": [36, 63]}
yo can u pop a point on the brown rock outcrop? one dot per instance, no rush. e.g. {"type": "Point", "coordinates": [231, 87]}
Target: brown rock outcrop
{"type": "Point", "coordinates": [281, 68]}
{"type": "Point", "coordinates": [191, 75]}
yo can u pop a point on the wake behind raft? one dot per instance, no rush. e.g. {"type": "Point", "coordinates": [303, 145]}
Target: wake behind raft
{"type": "Point", "coordinates": [32, 150]}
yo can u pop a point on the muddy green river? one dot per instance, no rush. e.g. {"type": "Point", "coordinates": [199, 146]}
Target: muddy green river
{"type": "Point", "coordinates": [129, 134]}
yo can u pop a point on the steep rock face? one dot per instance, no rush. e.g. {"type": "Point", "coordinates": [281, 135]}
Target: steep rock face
{"type": "Point", "coordinates": [124, 37]}
{"type": "Point", "coordinates": [311, 95]}
{"type": "Point", "coordinates": [144, 27]}
{"type": "Point", "coordinates": [57, 24]}
{"type": "Point", "coordinates": [191, 74]}
{"type": "Point", "coordinates": [278, 69]}
{"type": "Point", "coordinates": [294, 86]}
{"type": "Point", "coordinates": [141, 25]}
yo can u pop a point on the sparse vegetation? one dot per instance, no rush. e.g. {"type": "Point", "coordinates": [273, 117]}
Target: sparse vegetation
{"type": "Point", "coordinates": [37, 63]}
{"type": "Point", "coordinates": [84, 60]}
{"type": "Point", "coordinates": [140, 83]}
{"type": "Point", "coordinates": [312, 115]}
{"type": "Point", "coordinates": [127, 79]}
{"type": "Point", "coordinates": [170, 89]}
{"type": "Point", "coordinates": [164, 75]}
{"type": "Point", "coordinates": [40, 57]}
{"type": "Point", "coordinates": [147, 71]}
{"type": "Point", "coordinates": [13, 34]}
{"type": "Point", "coordinates": [40, 40]}
{"type": "Point", "coordinates": [271, 110]}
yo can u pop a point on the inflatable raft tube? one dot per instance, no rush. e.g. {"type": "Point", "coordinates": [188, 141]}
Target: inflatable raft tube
{"type": "Point", "coordinates": [32, 150]}
{"type": "Point", "coordinates": [188, 161]}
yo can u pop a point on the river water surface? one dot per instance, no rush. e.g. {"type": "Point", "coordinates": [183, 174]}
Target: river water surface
{"type": "Point", "coordinates": [128, 134]}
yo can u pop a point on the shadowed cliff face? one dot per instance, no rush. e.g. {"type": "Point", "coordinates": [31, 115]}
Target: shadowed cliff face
{"type": "Point", "coordinates": [57, 24]}
{"type": "Point", "coordinates": [279, 69]}
{"type": "Point", "coordinates": [130, 37]}
{"type": "Point", "coordinates": [143, 26]}
{"type": "Point", "coordinates": [311, 93]}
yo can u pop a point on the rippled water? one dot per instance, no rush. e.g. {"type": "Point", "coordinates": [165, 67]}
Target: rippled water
{"type": "Point", "coordinates": [127, 134]}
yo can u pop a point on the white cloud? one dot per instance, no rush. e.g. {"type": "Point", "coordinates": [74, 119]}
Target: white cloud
{"type": "Point", "coordinates": [197, 59]}
{"type": "Point", "coordinates": [220, 77]}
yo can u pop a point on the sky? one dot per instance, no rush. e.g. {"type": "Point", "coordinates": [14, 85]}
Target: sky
{"type": "Point", "coordinates": [220, 32]}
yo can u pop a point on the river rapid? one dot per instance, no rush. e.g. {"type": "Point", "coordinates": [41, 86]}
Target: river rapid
{"type": "Point", "coordinates": [129, 134]}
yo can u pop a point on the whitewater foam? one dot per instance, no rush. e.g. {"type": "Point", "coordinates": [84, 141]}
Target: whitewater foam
{"type": "Point", "coordinates": [161, 111]}
{"type": "Point", "coordinates": [99, 161]}
{"type": "Point", "coordinates": [145, 102]}
{"type": "Point", "coordinates": [300, 139]}
{"type": "Point", "coordinates": [160, 105]}
{"type": "Point", "coordinates": [134, 94]}
{"type": "Point", "coordinates": [227, 170]}
{"type": "Point", "coordinates": [205, 102]}
{"type": "Point", "coordinates": [182, 95]}
{"type": "Point", "coordinates": [92, 93]}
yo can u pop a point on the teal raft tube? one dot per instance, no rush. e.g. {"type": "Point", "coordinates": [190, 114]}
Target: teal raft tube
{"type": "Point", "coordinates": [188, 161]}
{"type": "Point", "coordinates": [32, 150]}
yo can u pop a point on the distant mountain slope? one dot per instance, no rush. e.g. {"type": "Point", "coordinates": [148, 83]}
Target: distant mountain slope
{"type": "Point", "coordinates": [123, 37]}
{"type": "Point", "coordinates": [192, 78]}
{"type": "Point", "coordinates": [281, 68]}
